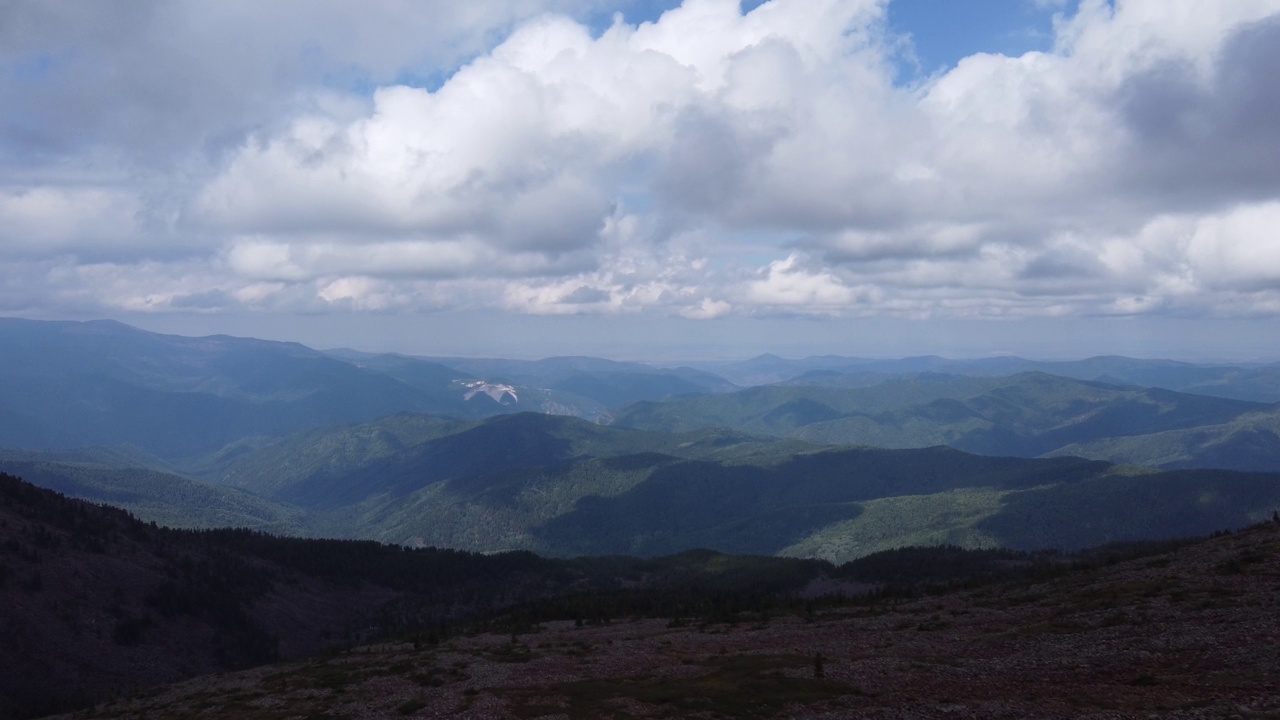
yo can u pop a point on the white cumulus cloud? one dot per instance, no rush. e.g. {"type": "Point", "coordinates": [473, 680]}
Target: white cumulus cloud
{"type": "Point", "coordinates": [400, 158]}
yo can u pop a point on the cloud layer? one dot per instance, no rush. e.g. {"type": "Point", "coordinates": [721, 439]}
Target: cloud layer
{"type": "Point", "coordinates": [388, 157]}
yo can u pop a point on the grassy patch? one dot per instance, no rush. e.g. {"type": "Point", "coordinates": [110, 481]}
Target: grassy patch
{"type": "Point", "coordinates": [887, 523]}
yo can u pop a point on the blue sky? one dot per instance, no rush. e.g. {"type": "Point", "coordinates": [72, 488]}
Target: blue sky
{"type": "Point", "coordinates": [527, 177]}
{"type": "Point", "coordinates": [941, 32]}
{"type": "Point", "coordinates": [945, 31]}
{"type": "Point", "coordinates": [937, 33]}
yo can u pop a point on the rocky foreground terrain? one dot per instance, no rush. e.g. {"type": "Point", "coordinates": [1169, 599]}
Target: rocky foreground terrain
{"type": "Point", "coordinates": [1189, 632]}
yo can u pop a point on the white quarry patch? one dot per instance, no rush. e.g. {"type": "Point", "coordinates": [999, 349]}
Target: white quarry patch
{"type": "Point", "coordinates": [497, 391]}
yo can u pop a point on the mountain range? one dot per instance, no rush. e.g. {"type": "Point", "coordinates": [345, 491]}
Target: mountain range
{"type": "Point", "coordinates": [1027, 415]}
{"type": "Point", "coordinates": [191, 402]}
{"type": "Point", "coordinates": [567, 487]}
{"type": "Point", "coordinates": [1252, 381]}
{"type": "Point", "coordinates": [73, 384]}
{"type": "Point", "coordinates": [220, 431]}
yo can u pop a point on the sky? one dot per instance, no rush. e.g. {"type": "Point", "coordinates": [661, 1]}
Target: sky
{"type": "Point", "coordinates": [651, 179]}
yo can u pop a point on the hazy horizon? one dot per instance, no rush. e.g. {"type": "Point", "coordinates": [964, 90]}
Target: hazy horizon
{"type": "Point", "coordinates": [321, 333]}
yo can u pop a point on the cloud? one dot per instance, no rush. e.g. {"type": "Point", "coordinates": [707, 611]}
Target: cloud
{"type": "Point", "coordinates": [153, 78]}
{"type": "Point", "coordinates": [1206, 140]}
{"type": "Point", "coordinates": [786, 283]}
{"type": "Point", "coordinates": [49, 220]}
{"type": "Point", "coordinates": [706, 310]}
{"type": "Point", "coordinates": [586, 295]}
{"type": "Point", "coordinates": [1239, 249]}
{"type": "Point", "coordinates": [511, 156]}
{"type": "Point", "coordinates": [529, 146]}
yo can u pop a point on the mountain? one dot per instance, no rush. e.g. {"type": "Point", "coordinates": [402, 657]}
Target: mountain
{"type": "Point", "coordinates": [1031, 414]}
{"type": "Point", "coordinates": [1178, 630]}
{"type": "Point", "coordinates": [333, 467]}
{"type": "Point", "coordinates": [653, 504]}
{"type": "Point", "coordinates": [839, 371]}
{"type": "Point", "coordinates": [102, 383]}
{"type": "Point", "coordinates": [94, 603]}
{"type": "Point", "coordinates": [1262, 383]}
{"type": "Point", "coordinates": [565, 487]}
{"type": "Point", "coordinates": [781, 409]}
{"type": "Point", "coordinates": [768, 368]}
{"type": "Point", "coordinates": [1257, 383]}
{"type": "Point", "coordinates": [157, 496]}
{"type": "Point", "coordinates": [490, 391]}
{"type": "Point", "coordinates": [191, 402]}
{"type": "Point", "coordinates": [581, 386]}
{"type": "Point", "coordinates": [1025, 415]}
{"type": "Point", "coordinates": [1250, 442]}
{"type": "Point", "coordinates": [540, 372]}
{"type": "Point", "coordinates": [615, 389]}
{"type": "Point", "coordinates": [71, 384]}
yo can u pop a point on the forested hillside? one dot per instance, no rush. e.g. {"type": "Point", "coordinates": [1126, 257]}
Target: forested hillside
{"type": "Point", "coordinates": [1026, 415]}
{"type": "Point", "coordinates": [567, 487]}
{"type": "Point", "coordinates": [97, 603]}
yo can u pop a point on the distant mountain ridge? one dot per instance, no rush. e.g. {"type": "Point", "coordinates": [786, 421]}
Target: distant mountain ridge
{"type": "Point", "coordinates": [104, 383]}
{"type": "Point", "coordinates": [1027, 415]}
{"type": "Point", "coordinates": [1259, 382]}
{"type": "Point", "coordinates": [75, 384]}
{"type": "Point", "coordinates": [69, 384]}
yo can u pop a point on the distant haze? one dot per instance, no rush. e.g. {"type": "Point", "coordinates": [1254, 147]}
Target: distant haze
{"type": "Point", "coordinates": [670, 340]}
